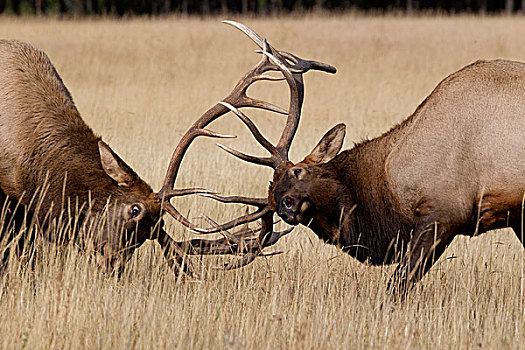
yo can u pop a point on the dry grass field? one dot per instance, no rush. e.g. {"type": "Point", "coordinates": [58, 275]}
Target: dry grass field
{"type": "Point", "coordinates": [140, 83]}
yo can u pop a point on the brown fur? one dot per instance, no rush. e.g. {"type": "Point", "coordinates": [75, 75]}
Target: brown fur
{"type": "Point", "coordinates": [456, 166]}
{"type": "Point", "coordinates": [45, 144]}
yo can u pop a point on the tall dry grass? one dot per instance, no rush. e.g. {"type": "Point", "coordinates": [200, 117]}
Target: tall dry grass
{"type": "Point", "coordinates": [141, 83]}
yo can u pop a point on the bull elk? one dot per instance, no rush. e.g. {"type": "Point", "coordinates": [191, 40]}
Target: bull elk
{"type": "Point", "coordinates": [454, 167]}
{"type": "Point", "coordinates": [52, 163]}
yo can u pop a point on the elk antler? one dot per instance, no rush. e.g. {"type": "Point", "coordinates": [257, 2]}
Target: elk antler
{"type": "Point", "coordinates": [292, 68]}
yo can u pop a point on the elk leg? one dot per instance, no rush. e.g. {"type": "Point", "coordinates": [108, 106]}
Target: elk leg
{"type": "Point", "coordinates": [430, 241]}
{"type": "Point", "coordinates": [6, 235]}
{"type": "Point", "coordinates": [10, 229]}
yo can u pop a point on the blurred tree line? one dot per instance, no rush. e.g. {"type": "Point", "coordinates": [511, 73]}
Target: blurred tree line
{"type": "Point", "coordinates": [206, 7]}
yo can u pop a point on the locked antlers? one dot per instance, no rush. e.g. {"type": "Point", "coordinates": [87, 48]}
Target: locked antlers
{"type": "Point", "coordinates": [243, 241]}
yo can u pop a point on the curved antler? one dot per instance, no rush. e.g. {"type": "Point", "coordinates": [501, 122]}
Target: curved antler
{"type": "Point", "coordinates": [292, 69]}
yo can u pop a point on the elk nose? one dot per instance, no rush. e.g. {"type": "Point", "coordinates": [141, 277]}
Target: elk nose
{"type": "Point", "coordinates": [288, 203]}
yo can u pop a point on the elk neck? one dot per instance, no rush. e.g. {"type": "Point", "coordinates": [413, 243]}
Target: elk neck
{"type": "Point", "coordinates": [363, 220]}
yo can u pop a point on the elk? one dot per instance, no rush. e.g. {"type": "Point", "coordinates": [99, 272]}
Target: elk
{"type": "Point", "coordinates": [454, 167]}
{"type": "Point", "coordinates": [49, 155]}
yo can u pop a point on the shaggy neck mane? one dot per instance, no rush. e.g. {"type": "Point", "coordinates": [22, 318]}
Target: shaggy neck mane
{"type": "Point", "coordinates": [371, 230]}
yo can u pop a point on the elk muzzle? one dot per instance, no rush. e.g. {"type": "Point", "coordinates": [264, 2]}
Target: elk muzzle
{"type": "Point", "coordinates": [294, 211]}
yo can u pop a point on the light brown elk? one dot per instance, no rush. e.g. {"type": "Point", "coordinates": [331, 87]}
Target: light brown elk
{"type": "Point", "coordinates": [51, 162]}
{"type": "Point", "coordinates": [58, 170]}
{"type": "Point", "coordinates": [454, 167]}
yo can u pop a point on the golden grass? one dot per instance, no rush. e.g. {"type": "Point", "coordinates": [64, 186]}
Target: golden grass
{"type": "Point", "coordinates": [141, 83]}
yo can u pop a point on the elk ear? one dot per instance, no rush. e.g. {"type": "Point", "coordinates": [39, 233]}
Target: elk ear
{"type": "Point", "coordinates": [114, 166]}
{"type": "Point", "coordinates": [328, 147]}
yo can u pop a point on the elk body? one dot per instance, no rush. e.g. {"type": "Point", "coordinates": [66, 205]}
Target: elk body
{"type": "Point", "coordinates": [455, 167]}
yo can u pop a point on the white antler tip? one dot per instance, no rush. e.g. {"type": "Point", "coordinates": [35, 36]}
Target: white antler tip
{"type": "Point", "coordinates": [207, 195]}
{"type": "Point", "coordinates": [227, 105]}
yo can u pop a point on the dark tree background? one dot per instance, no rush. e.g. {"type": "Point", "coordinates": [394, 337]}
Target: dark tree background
{"type": "Point", "coordinates": [205, 7]}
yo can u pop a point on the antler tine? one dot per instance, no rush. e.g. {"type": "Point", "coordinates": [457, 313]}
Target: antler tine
{"type": "Point", "coordinates": [275, 158]}
{"type": "Point", "coordinates": [249, 32]}
{"type": "Point", "coordinates": [302, 66]}
{"type": "Point", "coordinates": [252, 102]}
{"type": "Point", "coordinates": [247, 158]}
{"type": "Point", "coordinates": [258, 202]}
{"type": "Point", "coordinates": [295, 83]}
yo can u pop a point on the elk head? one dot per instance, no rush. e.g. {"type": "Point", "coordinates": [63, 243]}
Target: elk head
{"type": "Point", "coordinates": [128, 216]}
{"type": "Point", "coordinates": [244, 241]}
{"type": "Point", "coordinates": [298, 191]}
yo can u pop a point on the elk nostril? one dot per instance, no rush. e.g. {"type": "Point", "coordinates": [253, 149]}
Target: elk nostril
{"type": "Point", "coordinates": [288, 203]}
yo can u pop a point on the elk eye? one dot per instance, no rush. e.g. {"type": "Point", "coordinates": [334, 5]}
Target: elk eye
{"type": "Point", "coordinates": [288, 203]}
{"type": "Point", "coordinates": [135, 211]}
{"type": "Point", "coordinates": [297, 172]}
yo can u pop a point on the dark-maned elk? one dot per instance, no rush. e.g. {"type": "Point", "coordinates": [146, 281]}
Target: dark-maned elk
{"type": "Point", "coordinates": [58, 170]}
{"type": "Point", "coordinates": [455, 167]}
